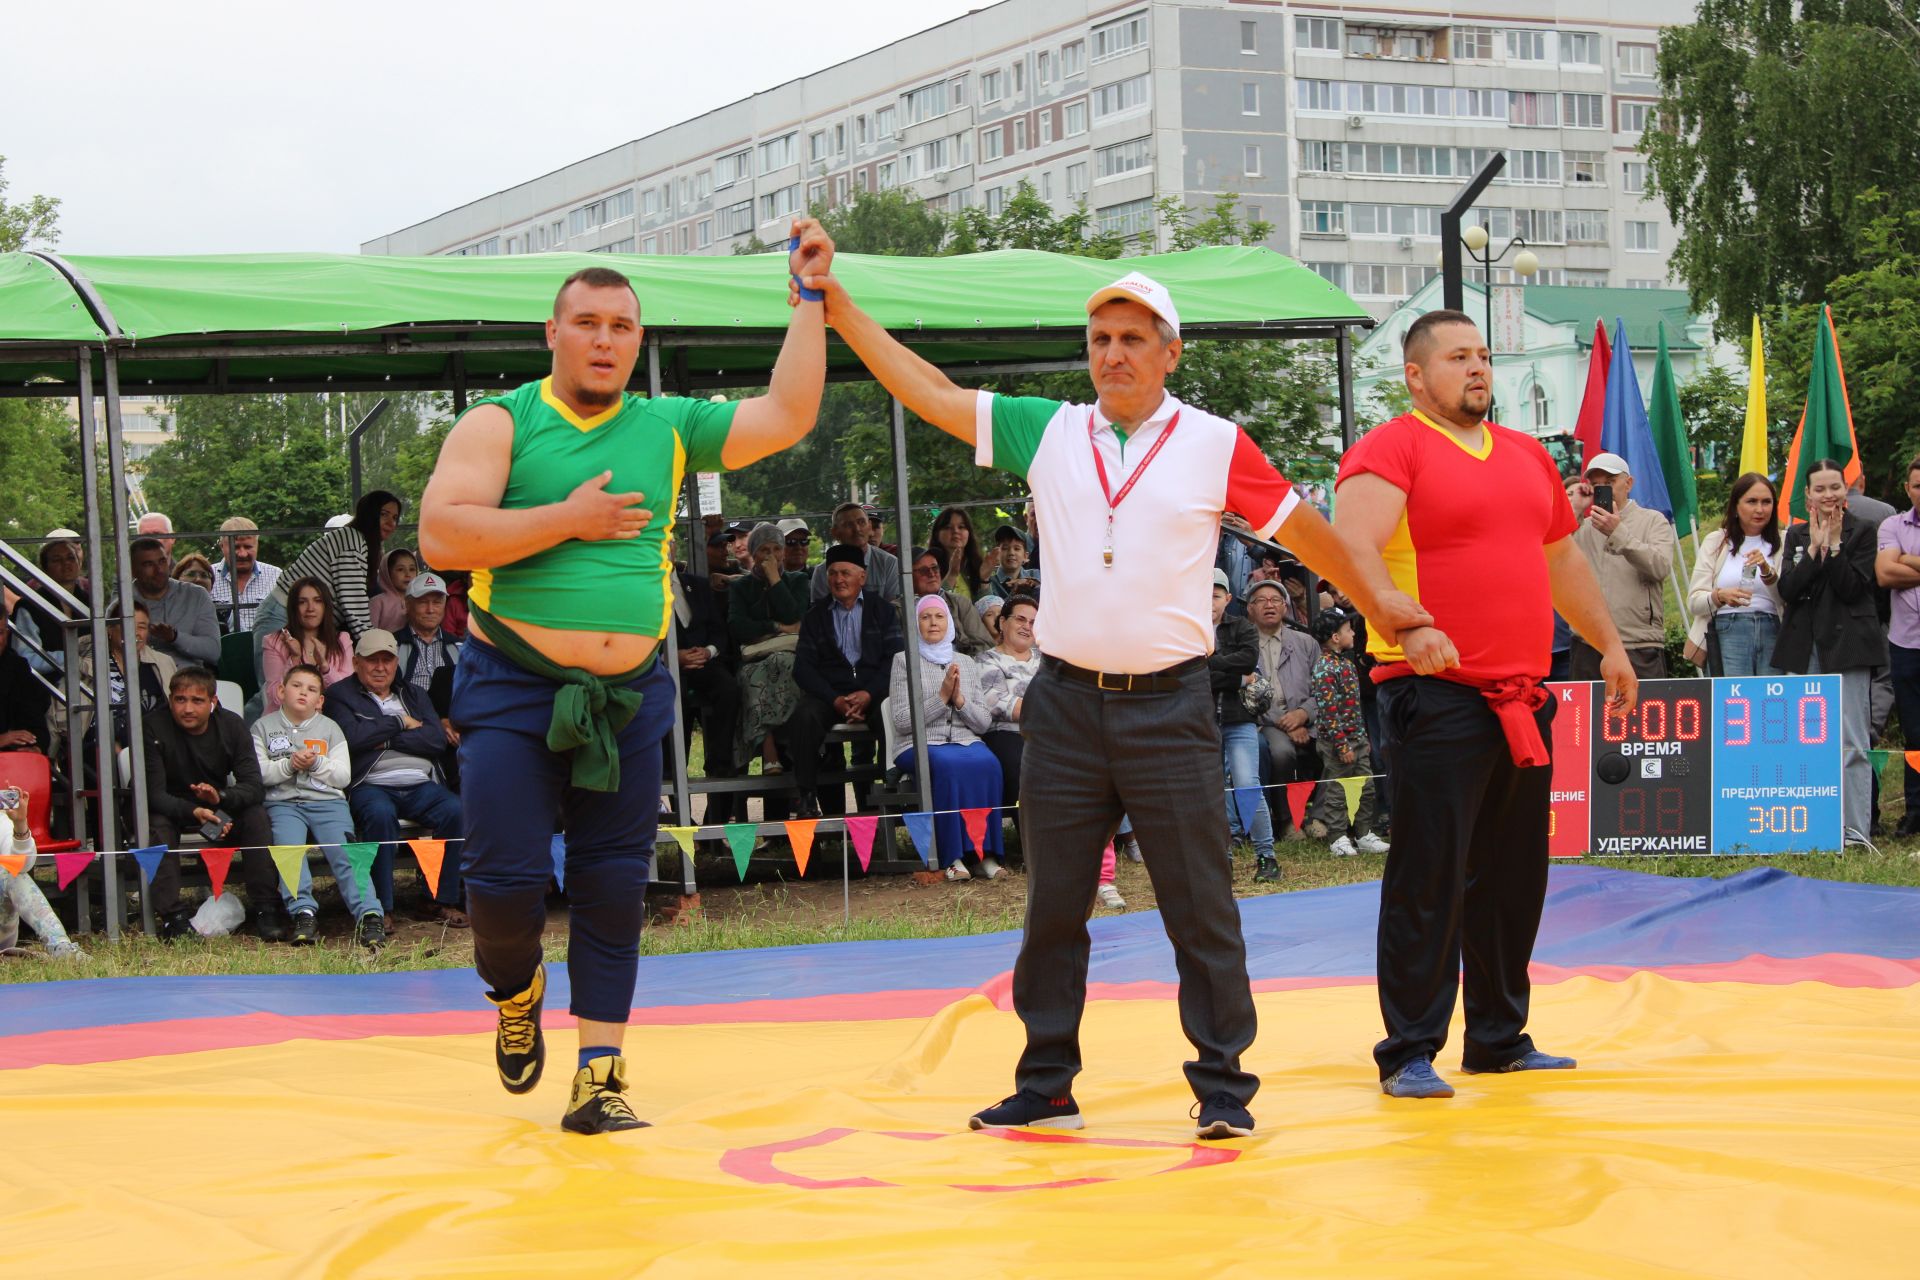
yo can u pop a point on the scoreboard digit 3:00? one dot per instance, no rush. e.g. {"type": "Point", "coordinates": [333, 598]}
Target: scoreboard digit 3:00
{"type": "Point", "coordinates": [1748, 764]}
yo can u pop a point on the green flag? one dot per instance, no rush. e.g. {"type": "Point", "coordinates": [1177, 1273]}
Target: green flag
{"type": "Point", "coordinates": [1670, 442]}
{"type": "Point", "coordinates": [740, 838]}
{"type": "Point", "coordinates": [1826, 426]}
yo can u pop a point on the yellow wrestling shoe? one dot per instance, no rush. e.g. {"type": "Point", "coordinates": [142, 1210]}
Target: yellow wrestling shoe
{"type": "Point", "coordinates": [599, 1103]}
{"type": "Point", "coordinates": [519, 1050]}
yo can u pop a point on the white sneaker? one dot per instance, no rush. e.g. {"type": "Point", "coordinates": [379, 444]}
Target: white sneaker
{"type": "Point", "coordinates": [1342, 848]}
{"type": "Point", "coordinates": [1371, 843]}
{"type": "Point", "coordinates": [991, 869]}
{"type": "Point", "coordinates": [957, 872]}
{"type": "Point", "coordinates": [1110, 897]}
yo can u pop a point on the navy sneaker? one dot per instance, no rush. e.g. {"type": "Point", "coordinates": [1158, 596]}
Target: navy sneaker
{"type": "Point", "coordinates": [1531, 1060]}
{"type": "Point", "coordinates": [1222, 1116]}
{"type": "Point", "coordinates": [1416, 1080]}
{"type": "Point", "coordinates": [1029, 1109]}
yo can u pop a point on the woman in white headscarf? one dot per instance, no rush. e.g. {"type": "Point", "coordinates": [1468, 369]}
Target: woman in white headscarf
{"type": "Point", "coordinates": [965, 773]}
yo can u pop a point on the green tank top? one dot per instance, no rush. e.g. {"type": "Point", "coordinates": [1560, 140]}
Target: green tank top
{"type": "Point", "coordinates": [649, 445]}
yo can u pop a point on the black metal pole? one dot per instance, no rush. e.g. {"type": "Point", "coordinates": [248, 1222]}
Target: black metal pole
{"type": "Point", "coordinates": [1343, 352]}
{"type": "Point", "coordinates": [1453, 291]}
{"type": "Point", "coordinates": [353, 445]}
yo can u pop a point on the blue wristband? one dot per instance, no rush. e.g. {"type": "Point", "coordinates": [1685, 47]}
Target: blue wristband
{"type": "Point", "coordinates": [806, 294]}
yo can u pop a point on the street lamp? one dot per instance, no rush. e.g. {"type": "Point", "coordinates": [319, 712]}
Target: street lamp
{"type": "Point", "coordinates": [1525, 265]}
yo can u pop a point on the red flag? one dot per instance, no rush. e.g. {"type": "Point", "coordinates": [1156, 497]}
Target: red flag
{"type": "Point", "coordinates": [976, 823]}
{"type": "Point", "coordinates": [216, 861]}
{"type": "Point", "coordinates": [800, 836]}
{"type": "Point", "coordinates": [68, 866]}
{"type": "Point", "coordinates": [1298, 793]}
{"type": "Point", "coordinates": [1593, 404]}
{"type": "Point", "coordinates": [862, 831]}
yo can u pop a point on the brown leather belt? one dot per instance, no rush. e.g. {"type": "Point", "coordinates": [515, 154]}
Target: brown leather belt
{"type": "Point", "coordinates": [1113, 682]}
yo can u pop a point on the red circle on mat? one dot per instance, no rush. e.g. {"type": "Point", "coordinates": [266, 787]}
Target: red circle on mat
{"type": "Point", "coordinates": [757, 1164]}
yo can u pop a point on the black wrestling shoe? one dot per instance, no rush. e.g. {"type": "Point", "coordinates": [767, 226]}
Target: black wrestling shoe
{"type": "Point", "coordinates": [1222, 1116]}
{"type": "Point", "coordinates": [305, 931]}
{"type": "Point", "coordinates": [519, 1050]}
{"type": "Point", "coordinates": [175, 926]}
{"type": "Point", "coordinates": [599, 1103]}
{"type": "Point", "coordinates": [1029, 1109]}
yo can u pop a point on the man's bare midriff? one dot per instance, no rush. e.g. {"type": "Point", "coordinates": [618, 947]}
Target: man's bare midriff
{"type": "Point", "coordinates": [601, 653]}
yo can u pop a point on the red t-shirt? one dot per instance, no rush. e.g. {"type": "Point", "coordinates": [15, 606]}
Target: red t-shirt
{"type": "Point", "coordinates": [1470, 546]}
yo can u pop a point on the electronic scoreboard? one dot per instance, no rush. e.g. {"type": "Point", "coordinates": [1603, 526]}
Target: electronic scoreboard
{"type": "Point", "coordinates": [1733, 765]}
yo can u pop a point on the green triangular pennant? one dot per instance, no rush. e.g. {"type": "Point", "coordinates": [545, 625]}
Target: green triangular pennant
{"type": "Point", "coordinates": [740, 838]}
{"type": "Point", "coordinates": [361, 856]}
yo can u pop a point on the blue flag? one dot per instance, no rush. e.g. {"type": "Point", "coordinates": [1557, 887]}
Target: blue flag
{"type": "Point", "coordinates": [149, 860]}
{"type": "Point", "coordinates": [1246, 801]}
{"type": "Point", "coordinates": [558, 849]}
{"type": "Point", "coordinates": [1624, 428]}
{"type": "Point", "coordinates": [920, 827]}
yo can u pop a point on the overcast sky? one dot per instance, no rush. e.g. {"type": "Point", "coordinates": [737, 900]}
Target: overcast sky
{"type": "Point", "coordinates": [202, 127]}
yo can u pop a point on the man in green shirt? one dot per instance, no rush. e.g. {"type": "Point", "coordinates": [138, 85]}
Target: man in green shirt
{"type": "Point", "coordinates": [560, 703]}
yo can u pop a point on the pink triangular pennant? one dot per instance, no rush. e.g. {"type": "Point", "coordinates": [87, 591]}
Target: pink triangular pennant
{"type": "Point", "coordinates": [216, 861]}
{"type": "Point", "coordinates": [800, 836]}
{"type": "Point", "coordinates": [1298, 793]}
{"type": "Point", "coordinates": [862, 831]}
{"type": "Point", "coordinates": [976, 823]}
{"type": "Point", "coordinates": [70, 865]}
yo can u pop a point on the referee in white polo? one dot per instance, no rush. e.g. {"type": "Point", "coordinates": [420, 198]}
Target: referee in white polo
{"type": "Point", "coordinates": [1128, 493]}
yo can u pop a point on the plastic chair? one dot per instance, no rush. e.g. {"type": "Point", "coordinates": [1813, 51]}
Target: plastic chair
{"type": "Point", "coordinates": [231, 697]}
{"type": "Point", "coordinates": [32, 773]}
{"type": "Point", "coordinates": [236, 663]}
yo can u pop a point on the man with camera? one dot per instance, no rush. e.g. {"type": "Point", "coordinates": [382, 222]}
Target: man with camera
{"type": "Point", "coordinates": [203, 776]}
{"type": "Point", "coordinates": [1631, 550]}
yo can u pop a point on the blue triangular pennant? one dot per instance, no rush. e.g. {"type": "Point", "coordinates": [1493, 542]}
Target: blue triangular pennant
{"type": "Point", "coordinates": [559, 860]}
{"type": "Point", "coordinates": [149, 860]}
{"type": "Point", "coordinates": [920, 827]}
{"type": "Point", "coordinates": [1246, 802]}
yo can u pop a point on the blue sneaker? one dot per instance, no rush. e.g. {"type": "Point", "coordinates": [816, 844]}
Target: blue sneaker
{"type": "Point", "coordinates": [1221, 1116]}
{"type": "Point", "coordinates": [1416, 1080]}
{"type": "Point", "coordinates": [1531, 1060]}
{"type": "Point", "coordinates": [1029, 1109]}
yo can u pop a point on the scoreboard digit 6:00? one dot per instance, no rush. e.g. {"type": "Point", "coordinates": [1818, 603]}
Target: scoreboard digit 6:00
{"type": "Point", "coordinates": [1748, 764]}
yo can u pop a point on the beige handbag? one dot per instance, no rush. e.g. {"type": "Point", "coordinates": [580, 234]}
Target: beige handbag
{"type": "Point", "coordinates": [784, 643]}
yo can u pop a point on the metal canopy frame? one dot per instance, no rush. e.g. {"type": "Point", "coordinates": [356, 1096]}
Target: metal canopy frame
{"type": "Point", "coordinates": [113, 363]}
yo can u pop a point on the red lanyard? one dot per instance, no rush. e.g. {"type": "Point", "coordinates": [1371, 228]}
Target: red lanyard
{"type": "Point", "coordinates": [1115, 499]}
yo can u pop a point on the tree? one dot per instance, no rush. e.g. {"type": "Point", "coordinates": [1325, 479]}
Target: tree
{"type": "Point", "coordinates": [893, 223]}
{"type": "Point", "coordinates": [39, 483]}
{"type": "Point", "coordinates": [22, 225]}
{"type": "Point", "coordinates": [1772, 126]}
{"type": "Point", "coordinates": [1713, 404]}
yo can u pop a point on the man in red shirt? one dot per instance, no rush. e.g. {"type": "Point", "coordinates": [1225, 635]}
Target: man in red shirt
{"type": "Point", "coordinates": [1446, 498]}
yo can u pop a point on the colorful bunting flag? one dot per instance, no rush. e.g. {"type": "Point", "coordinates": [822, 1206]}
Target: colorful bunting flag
{"type": "Point", "coordinates": [361, 856]}
{"type": "Point", "coordinates": [740, 838]}
{"type": "Point", "coordinates": [290, 859]}
{"type": "Point", "coordinates": [430, 854]}
{"type": "Point", "coordinates": [1354, 787]}
{"type": "Point", "coordinates": [68, 866]}
{"type": "Point", "coordinates": [1298, 793]}
{"type": "Point", "coordinates": [13, 862]}
{"type": "Point", "coordinates": [1593, 405]}
{"type": "Point", "coordinates": [558, 851]}
{"type": "Point", "coordinates": [683, 836]}
{"type": "Point", "coordinates": [149, 860]}
{"type": "Point", "coordinates": [1246, 803]}
{"type": "Point", "coordinates": [217, 862]}
{"type": "Point", "coordinates": [800, 836]}
{"type": "Point", "coordinates": [920, 827]}
{"type": "Point", "coordinates": [976, 824]}
{"type": "Point", "coordinates": [862, 830]}
{"type": "Point", "coordinates": [1913, 759]}
{"type": "Point", "coordinates": [1753, 440]}
{"type": "Point", "coordinates": [1880, 759]}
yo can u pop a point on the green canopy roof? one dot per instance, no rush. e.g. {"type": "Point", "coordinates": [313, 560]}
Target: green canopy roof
{"type": "Point", "coordinates": [186, 324]}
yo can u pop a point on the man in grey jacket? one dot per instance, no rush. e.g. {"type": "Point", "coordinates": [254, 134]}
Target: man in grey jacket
{"type": "Point", "coordinates": [184, 622]}
{"type": "Point", "coordinates": [1631, 550]}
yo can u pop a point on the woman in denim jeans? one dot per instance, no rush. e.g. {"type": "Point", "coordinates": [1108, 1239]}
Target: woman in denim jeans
{"type": "Point", "coordinates": [1236, 656]}
{"type": "Point", "coordinates": [1735, 589]}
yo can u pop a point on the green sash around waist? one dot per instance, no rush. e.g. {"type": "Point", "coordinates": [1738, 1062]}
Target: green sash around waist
{"type": "Point", "coordinates": [589, 711]}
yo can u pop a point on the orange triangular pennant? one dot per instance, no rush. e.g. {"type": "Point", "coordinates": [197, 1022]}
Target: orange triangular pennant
{"type": "Point", "coordinates": [800, 835]}
{"type": "Point", "coordinates": [14, 862]}
{"type": "Point", "coordinates": [430, 854]}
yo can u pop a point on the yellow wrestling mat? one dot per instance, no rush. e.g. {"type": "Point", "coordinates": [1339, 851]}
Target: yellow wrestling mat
{"type": "Point", "coordinates": [1715, 1128]}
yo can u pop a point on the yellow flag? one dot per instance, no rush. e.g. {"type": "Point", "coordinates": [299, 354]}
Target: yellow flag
{"type": "Point", "coordinates": [289, 858]}
{"type": "Point", "coordinates": [1753, 441]}
{"type": "Point", "coordinates": [1353, 787]}
{"type": "Point", "coordinates": [683, 836]}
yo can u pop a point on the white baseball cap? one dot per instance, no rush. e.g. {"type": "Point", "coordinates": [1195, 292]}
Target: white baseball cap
{"type": "Point", "coordinates": [1611, 463]}
{"type": "Point", "coordinates": [1143, 289]}
{"type": "Point", "coordinates": [793, 525]}
{"type": "Point", "coordinates": [424, 584]}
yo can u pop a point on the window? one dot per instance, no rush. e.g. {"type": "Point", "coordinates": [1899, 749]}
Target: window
{"type": "Point", "coordinates": [1473, 44]}
{"type": "Point", "coordinates": [650, 244]}
{"type": "Point", "coordinates": [1120, 37]}
{"type": "Point", "coordinates": [883, 123]}
{"type": "Point", "coordinates": [1498, 222]}
{"type": "Point", "coordinates": [1633, 176]}
{"type": "Point", "coordinates": [540, 236]}
{"type": "Point", "coordinates": [1253, 214]}
{"type": "Point", "coordinates": [1586, 226]}
{"type": "Point", "coordinates": [1643, 237]}
{"type": "Point", "coordinates": [620, 205]}
{"type": "Point", "coordinates": [1322, 157]}
{"type": "Point", "coordinates": [1394, 220]}
{"type": "Point", "coordinates": [992, 143]}
{"type": "Point", "coordinates": [1645, 284]}
{"type": "Point", "coordinates": [1636, 60]}
{"type": "Point", "coordinates": [687, 232]}
{"type": "Point", "coordinates": [817, 147]}
{"type": "Point", "coordinates": [1581, 48]}
{"type": "Point", "coordinates": [1318, 95]}
{"type": "Point", "coordinates": [1249, 38]}
{"type": "Point", "coordinates": [1076, 180]}
{"type": "Point", "coordinates": [1539, 226]}
{"type": "Point", "coordinates": [620, 246]}
{"type": "Point", "coordinates": [1539, 110]}
{"type": "Point", "coordinates": [1586, 168]}
{"type": "Point", "coordinates": [1043, 68]}
{"type": "Point", "coordinates": [1046, 184]}
{"type": "Point", "coordinates": [1322, 217]}
{"type": "Point", "coordinates": [1020, 134]}
{"type": "Point", "coordinates": [1635, 116]}
{"type": "Point", "coordinates": [666, 195]}
{"type": "Point", "coordinates": [1540, 408]}
{"type": "Point", "coordinates": [735, 219]}
{"type": "Point", "coordinates": [1250, 161]}
{"type": "Point", "coordinates": [778, 153]}
{"type": "Point", "coordinates": [1585, 279]}
{"type": "Point", "coordinates": [559, 233]}
{"type": "Point", "coordinates": [957, 91]}
{"type": "Point", "coordinates": [1124, 95]}
{"type": "Point", "coordinates": [927, 102]}
{"type": "Point", "coordinates": [589, 216]}
{"type": "Point", "coordinates": [996, 200]}
{"type": "Point", "coordinates": [840, 139]}
{"type": "Point", "coordinates": [1046, 126]}
{"type": "Point", "coordinates": [860, 130]}
{"type": "Point", "coordinates": [1020, 76]}
{"type": "Point", "coordinates": [840, 188]}
{"type": "Point", "coordinates": [702, 235]}
{"type": "Point", "coordinates": [1335, 273]}
{"type": "Point", "coordinates": [1584, 110]}
{"type": "Point", "coordinates": [650, 203]}
{"type": "Point", "coordinates": [993, 86]}
{"type": "Point", "coordinates": [1536, 168]}
{"type": "Point", "coordinates": [1249, 99]}
{"type": "Point", "coordinates": [778, 206]}
{"type": "Point", "coordinates": [1073, 59]}
{"type": "Point", "coordinates": [886, 177]}
{"type": "Point", "coordinates": [1480, 104]}
{"type": "Point", "coordinates": [1076, 119]}
{"type": "Point", "coordinates": [703, 185]}
{"type": "Point", "coordinates": [816, 195]}
{"type": "Point", "coordinates": [1387, 279]}
{"type": "Point", "coordinates": [1389, 42]}
{"type": "Point", "coordinates": [731, 169]}
{"type": "Point", "coordinates": [1317, 33]}
{"type": "Point", "coordinates": [1125, 158]}
{"type": "Point", "coordinates": [1527, 46]}
{"type": "Point", "coordinates": [1133, 218]}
